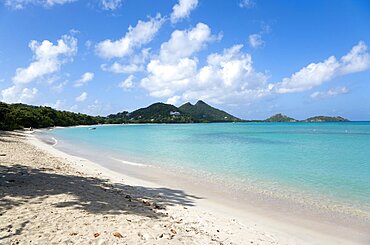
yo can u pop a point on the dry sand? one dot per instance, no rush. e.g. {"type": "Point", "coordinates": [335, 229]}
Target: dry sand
{"type": "Point", "coordinates": [49, 197]}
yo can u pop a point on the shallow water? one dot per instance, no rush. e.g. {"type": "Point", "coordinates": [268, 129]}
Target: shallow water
{"type": "Point", "coordinates": [324, 164]}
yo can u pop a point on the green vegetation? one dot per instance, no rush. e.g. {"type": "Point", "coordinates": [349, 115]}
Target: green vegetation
{"type": "Point", "coordinates": [166, 113]}
{"type": "Point", "coordinates": [17, 116]}
{"type": "Point", "coordinates": [280, 118]}
{"type": "Point", "coordinates": [326, 119]}
{"type": "Point", "coordinates": [155, 113]}
{"type": "Point", "coordinates": [203, 112]}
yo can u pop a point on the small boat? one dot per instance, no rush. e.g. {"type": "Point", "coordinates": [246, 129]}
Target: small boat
{"type": "Point", "coordinates": [92, 128]}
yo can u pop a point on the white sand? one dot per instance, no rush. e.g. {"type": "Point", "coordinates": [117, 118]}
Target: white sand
{"type": "Point", "coordinates": [49, 197]}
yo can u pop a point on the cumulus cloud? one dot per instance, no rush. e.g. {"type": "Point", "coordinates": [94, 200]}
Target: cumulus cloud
{"type": "Point", "coordinates": [329, 93]}
{"type": "Point", "coordinates": [183, 44]}
{"type": "Point", "coordinates": [174, 67]}
{"type": "Point", "coordinates": [59, 105]}
{"type": "Point", "coordinates": [135, 63]}
{"type": "Point", "coordinates": [48, 58]}
{"type": "Point", "coordinates": [182, 9]}
{"type": "Point", "coordinates": [227, 77]}
{"type": "Point", "coordinates": [165, 79]}
{"type": "Point", "coordinates": [119, 68]}
{"type": "Point", "coordinates": [255, 40]}
{"type": "Point", "coordinates": [135, 37]}
{"type": "Point", "coordinates": [20, 4]}
{"type": "Point", "coordinates": [128, 83]}
{"type": "Point", "coordinates": [58, 88]}
{"type": "Point", "coordinates": [18, 94]}
{"type": "Point", "coordinates": [111, 4]}
{"type": "Point", "coordinates": [85, 78]}
{"type": "Point", "coordinates": [315, 74]}
{"type": "Point", "coordinates": [247, 4]}
{"type": "Point", "coordinates": [82, 97]}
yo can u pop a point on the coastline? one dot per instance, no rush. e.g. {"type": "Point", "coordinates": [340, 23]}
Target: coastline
{"type": "Point", "coordinates": [221, 221]}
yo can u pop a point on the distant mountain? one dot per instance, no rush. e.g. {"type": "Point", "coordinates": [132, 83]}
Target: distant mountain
{"type": "Point", "coordinates": [280, 118]}
{"type": "Point", "coordinates": [283, 118]}
{"type": "Point", "coordinates": [203, 112]}
{"type": "Point", "coordinates": [166, 113]}
{"type": "Point", "coordinates": [159, 112]}
{"type": "Point", "coordinates": [326, 119]}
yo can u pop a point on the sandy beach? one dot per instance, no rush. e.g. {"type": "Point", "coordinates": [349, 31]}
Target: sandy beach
{"type": "Point", "coordinates": [50, 197]}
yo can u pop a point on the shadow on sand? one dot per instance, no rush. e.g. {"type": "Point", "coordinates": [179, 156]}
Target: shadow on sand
{"type": "Point", "coordinates": [20, 184]}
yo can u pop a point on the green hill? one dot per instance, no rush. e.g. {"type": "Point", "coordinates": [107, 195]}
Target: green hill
{"type": "Point", "coordinates": [161, 113]}
{"type": "Point", "coordinates": [280, 118]}
{"type": "Point", "coordinates": [203, 112]}
{"type": "Point", "coordinates": [326, 119]}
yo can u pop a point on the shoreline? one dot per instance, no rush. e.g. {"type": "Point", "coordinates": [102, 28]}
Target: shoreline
{"type": "Point", "coordinates": [222, 203]}
{"type": "Point", "coordinates": [198, 219]}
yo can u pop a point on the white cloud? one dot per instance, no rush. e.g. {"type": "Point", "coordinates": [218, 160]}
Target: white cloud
{"type": "Point", "coordinates": [135, 37]}
{"type": "Point", "coordinates": [315, 74]}
{"type": "Point", "coordinates": [119, 68]}
{"type": "Point", "coordinates": [59, 105]}
{"type": "Point", "coordinates": [111, 4]}
{"type": "Point", "coordinates": [58, 88]}
{"type": "Point", "coordinates": [174, 100]}
{"type": "Point", "coordinates": [20, 4]}
{"type": "Point", "coordinates": [134, 64]}
{"type": "Point", "coordinates": [255, 40]}
{"type": "Point", "coordinates": [330, 93]}
{"type": "Point", "coordinates": [183, 44]}
{"type": "Point", "coordinates": [96, 108]}
{"type": "Point", "coordinates": [48, 58]}
{"type": "Point", "coordinates": [82, 97]}
{"type": "Point", "coordinates": [85, 78]}
{"type": "Point", "coordinates": [227, 77]}
{"type": "Point", "coordinates": [174, 68]}
{"type": "Point", "coordinates": [182, 9]}
{"type": "Point", "coordinates": [166, 79]}
{"type": "Point", "coordinates": [247, 4]}
{"type": "Point", "coordinates": [18, 94]}
{"type": "Point", "coordinates": [128, 83]}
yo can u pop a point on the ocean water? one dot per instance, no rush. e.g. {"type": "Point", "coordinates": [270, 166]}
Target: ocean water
{"type": "Point", "coordinates": [318, 162]}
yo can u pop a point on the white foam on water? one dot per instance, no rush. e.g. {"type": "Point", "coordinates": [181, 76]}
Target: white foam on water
{"type": "Point", "coordinates": [130, 163]}
{"type": "Point", "coordinates": [55, 141]}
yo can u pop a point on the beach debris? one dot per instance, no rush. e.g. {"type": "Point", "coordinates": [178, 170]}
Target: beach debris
{"type": "Point", "coordinates": [144, 236]}
{"type": "Point", "coordinates": [96, 234]}
{"type": "Point", "coordinates": [73, 234]}
{"type": "Point", "coordinates": [128, 197]}
{"type": "Point", "coordinates": [174, 231]}
{"type": "Point", "coordinates": [117, 234]}
{"type": "Point", "coordinates": [146, 203]}
{"type": "Point", "coordinates": [157, 206]}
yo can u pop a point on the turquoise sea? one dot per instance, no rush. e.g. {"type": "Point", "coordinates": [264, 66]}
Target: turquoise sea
{"type": "Point", "coordinates": [318, 162]}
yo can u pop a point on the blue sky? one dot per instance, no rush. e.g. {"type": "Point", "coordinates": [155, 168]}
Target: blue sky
{"type": "Point", "coordinates": [252, 58]}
